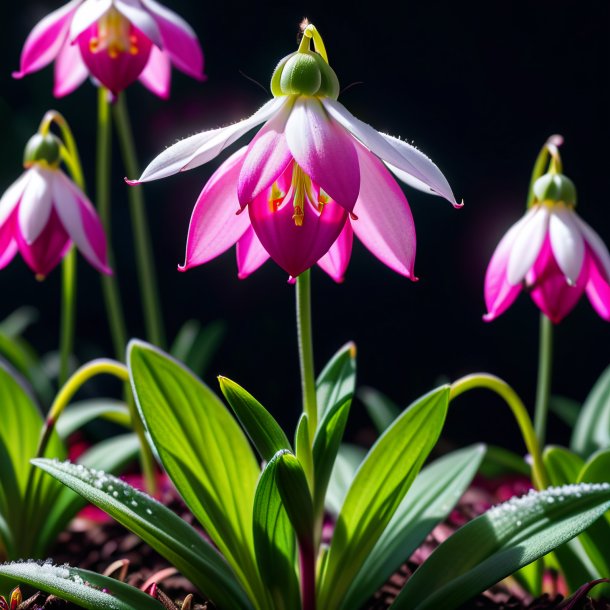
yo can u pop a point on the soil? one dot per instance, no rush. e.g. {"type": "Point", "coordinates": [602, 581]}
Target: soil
{"type": "Point", "coordinates": [106, 547]}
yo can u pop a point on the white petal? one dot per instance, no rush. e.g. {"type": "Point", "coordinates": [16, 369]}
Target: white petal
{"type": "Point", "coordinates": [140, 18]}
{"type": "Point", "coordinates": [567, 243]}
{"type": "Point", "coordinates": [594, 241]}
{"type": "Point", "coordinates": [527, 245]}
{"type": "Point", "coordinates": [399, 155]}
{"type": "Point", "coordinates": [203, 147]}
{"type": "Point", "coordinates": [12, 195]}
{"type": "Point", "coordinates": [35, 206]}
{"type": "Point", "coordinates": [87, 15]}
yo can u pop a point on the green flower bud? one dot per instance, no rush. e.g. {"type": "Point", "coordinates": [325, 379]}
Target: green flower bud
{"type": "Point", "coordinates": [44, 149]}
{"type": "Point", "coordinates": [555, 187]}
{"type": "Point", "coordinates": [304, 73]}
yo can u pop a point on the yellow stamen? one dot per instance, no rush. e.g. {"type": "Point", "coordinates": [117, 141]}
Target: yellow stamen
{"type": "Point", "coordinates": [114, 36]}
{"type": "Point", "coordinates": [301, 184]}
{"type": "Point", "coordinates": [276, 197]}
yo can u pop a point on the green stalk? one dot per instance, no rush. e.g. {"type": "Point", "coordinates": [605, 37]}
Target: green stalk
{"type": "Point", "coordinates": [68, 314]}
{"type": "Point", "coordinates": [545, 366]}
{"type": "Point", "coordinates": [141, 233]}
{"type": "Point", "coordinates": [110, 288]}
{"type": "Point", "coordinates": [500, 387]}
{"type": "Point", "coordinates": [304, 331]}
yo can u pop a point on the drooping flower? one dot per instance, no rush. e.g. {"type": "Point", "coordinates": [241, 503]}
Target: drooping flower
{"type": "Point", "coordinates": [43, 213]}
{"type": "Point", "coordinates": [313, 175]}
{"type": "Point", "coordinates": [551, 253]}
{"type": "Point", "coordinates": [115, 41]}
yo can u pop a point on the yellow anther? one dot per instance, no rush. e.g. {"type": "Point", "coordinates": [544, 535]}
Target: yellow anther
{"type": "Point", "coordinates": [94, 45]}
{"type": "Point", "coordinates": [301, 184]}
{"type": "Point", "coordinates": [276, 197]}
{"type": "Point", "coordinates": [298, 216]}
{"type": "Point", "coordinates": [114, 36]}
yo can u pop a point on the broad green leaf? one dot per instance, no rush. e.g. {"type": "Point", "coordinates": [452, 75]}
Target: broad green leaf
{"type": "Point", "coordinates": [204, 451]}
{"type": "Point", "coordinates": [501, 541]}
{"type": "Point", "coordinates": [274, 541]}
{"type": "Point", "coordinates": [431, 498]}
{"type": "Point", "coordinates": [158, 526]}
{"type": "Point", "coordinates": [380, 484]}
{"type": "Point", "coordinates": [195, 344]}
{"type": "Point", "coordinates": [325, 448]}
{"type": "Point", "coordinates": [302, 446]}
{"type": "Point", "coordinates": [264, 432]}
{"type": "Point", "coordinates": [79, 414]}
{"type": "Point", "coordinates": [349, 458]}
{"type": "Point", "coordinates": [82, 587]}
{"type": "Point", "coordinates": [566, 409]}
{"type": "Point", "coordinates": [110, 455]}
{"type": "Point", "coordinates": [575, 564]}
{"type": "Point", "coordinates": [597, 468]}
{"type": "Point", "coordinates": [337, 381]}
{"type": "Point", "coordinates": [381, 409]}
{"type": "Point", "coordinates": [592, 431]}
{"type": "Point", "coordinates": [562, 465]}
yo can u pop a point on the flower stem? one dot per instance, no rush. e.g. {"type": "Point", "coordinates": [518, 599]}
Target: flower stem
{"type": "Point", "coordinates": [307, 562]}
{"type": "Point", "coordinates": [500, 387]}
{"type": "Point", "coordinates": [545, 367]}
{"type": "Point", "coordinates": [110, 288]}
{"type": "Point", "coordinates": [304, 332]}
{"type": "Point", "coordinates": [68, 314]}
{"type": "Point", "coordinates": [144, 256]}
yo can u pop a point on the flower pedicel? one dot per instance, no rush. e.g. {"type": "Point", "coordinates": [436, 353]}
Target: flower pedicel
{"type": "Point", "coordinates": [311, 177]}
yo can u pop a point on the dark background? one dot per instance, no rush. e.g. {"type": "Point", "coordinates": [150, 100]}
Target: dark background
{"type": "Point", "coordinates": [477, 86]}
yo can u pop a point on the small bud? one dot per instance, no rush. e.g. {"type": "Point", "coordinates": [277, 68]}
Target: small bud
{"type": "Point", "coordinates": [44, 149]}
{"type": "Point", "coordinates": [304, 73]}
{"type": "Point", "coordinates": [555, 187]}
{"type": "Point", "coordinates": [16, 598]}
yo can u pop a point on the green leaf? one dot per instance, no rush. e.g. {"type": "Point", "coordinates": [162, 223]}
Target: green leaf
{"type": "Point", "coordinates": [196, 345]}
{"type": "Point", "coordinates": [498, 461]}
{"type": "Point", "coordinates": [302, 445]}
{"type": "Point", "coordinates": [274, 541]}
{"type": "Point", "coordinates": [326, 445]}
{"type": "Point", "coordinates": [337, 381]}
{"type": "Point", "coordinates": [204, 451]}
{"type": "Point", "coordinates": [158, 526]}
{"type": "Point", "coordinates": [79, 414]}
{"type": "Point", "coordinates": [597, 468]}
{"type": "Point", "coordinates": [82, 587]}
{"type": "Point", "coordinates": [349, 458]}
{"type": "Point", "coordinates": [562, 465]}
{"type": "Point", "coordinates": [381, 409]}
{"type": "Point", "coordinates": [110, 455]}
{"type": "Point", "coordinates": [566, 409]}
{"type": "Point", "coordinates": [429, 501]}
{"type": "Point", "coordinates": [592, 431]}
{"type": "Point", "coordinates": [380, 484]}
{"type": "Point", "coordinates": [500, 542]}
{"type": "Point", "coordinates": [16, 323]}
{"type": "Point", "coordinates": [264, 432]}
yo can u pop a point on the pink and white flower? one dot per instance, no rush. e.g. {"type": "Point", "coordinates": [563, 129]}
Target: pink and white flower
{"type": "Point", "coordinates": [42, 214]}
{"type": "Point", "coordinates": [312, 176]}
{"type": "Point", "coordinates": [116, 42]}
{"type": "Point", "coordinates": [554, 255]}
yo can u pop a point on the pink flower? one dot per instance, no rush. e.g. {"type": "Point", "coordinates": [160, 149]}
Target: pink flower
{"type": "Point", "coordinates": [312, 177]}
{"type": "Point", "coordinates": [42, 214]}
{"type": "Point", "coordinates": [115, 41]}
{"type": "Point", "coordinates": [554, 254]}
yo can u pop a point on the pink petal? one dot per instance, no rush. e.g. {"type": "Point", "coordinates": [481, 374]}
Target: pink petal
{"type": "Point", "coordinates": [527, 245]}
{"type": "Point", "coordinates": [597, 246]}
{"type": "Point", "coordinates": [215, 225]}
{"type": "Point", "coordinates": [598, 288]}
{"type": "Point", "coordinates": [8, 246]}
{"type": "Point", "coordinates": [324, 150]}
{"type": "Point", "coordinates": [203, 147]}
{"type": "Point", "coordinates": [499, 293]}
{"type": "Point", "coordinates": [425, 175]}
{"type": "Point", "coordinates": [567, 242]}
{"type": "Point", "coordinates": [70, 70]}
{"type": "Point", "coordinates": [87, 14]}
{"type": "Point", "coordinates": [179, 39]}
{"type": "Point", "coordinates": [385, 224]}
{"type": "Point", "coordinates": [296, 248]}
{"type": "Point", "coordinates": [12, 195]}
{"type": "Point", "coordinates": [115, 72]}
{"type": "Point", "coordinates": [141, 19]}
{"type": "Point", "coordinates": [35, 205]}
{"type": "Point", "coordinates": [80, 221]}
{"type": "Point", "coordinates": [267, 157]}
{"type": "Point", "coordinates": [336, 260]}
{"type": "Point", "coordinates": [549, 288]}
{"type": "Point", "coordinates": [43, 255]}
{"type": "Point", "coordinates": [45, 40]}
{"type": "Point", "coordinates": [156, 76]}
{"type": "Point", "coordinates": [250, 254]}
